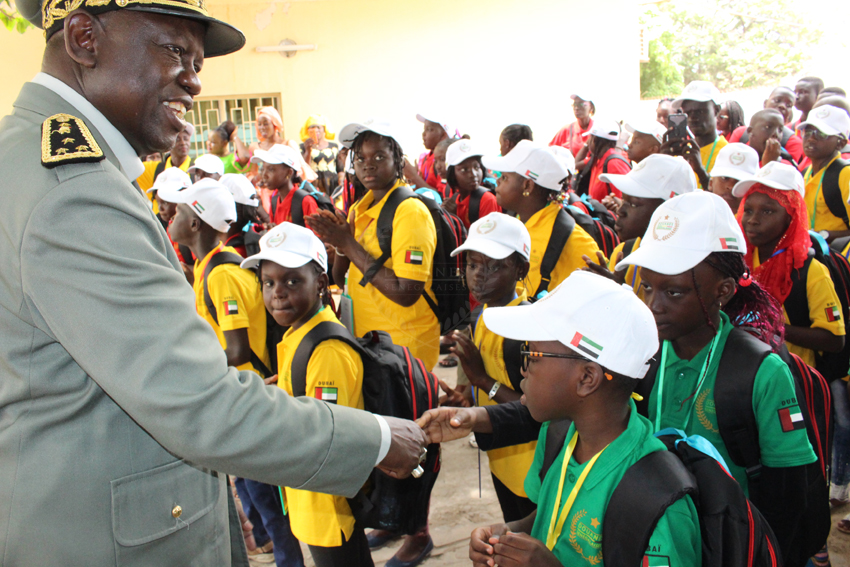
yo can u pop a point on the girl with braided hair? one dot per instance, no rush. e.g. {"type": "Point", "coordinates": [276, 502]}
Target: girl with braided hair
{"type": "Point", "coordinates": [702, 296]}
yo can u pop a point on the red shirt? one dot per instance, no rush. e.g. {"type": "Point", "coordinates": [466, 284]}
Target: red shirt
{"type": "Point", "coordinates": [486, 206]}
{"type": "Point", "coordinates": [283, 210]}
{"type": "Point", "coordinates": [429, 174]}
{"type": "Point", "coordinates": [571, 137]}
{"type": "Point", "coordinates": [241, 249]}
{"type": "Point", "coordinates": [599, 189]}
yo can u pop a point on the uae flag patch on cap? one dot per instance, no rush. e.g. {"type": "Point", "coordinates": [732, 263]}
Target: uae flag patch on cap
{"type": "Point", "coordinates": [198, 207]}
{"type": "Point", "coordinates": [231, 307]}
{"type": "Point", "coordinates": [729, 243]}
{"type": "Point", "coordinates": [587, 346]}
{"type": "Point", "coordinates": [326, 395]}
{"type": "Point", "coordinates": [833, 313]}
{"type": "Point", "coordinates": [791, 419]}
{"type": "Point", "coordinates": [413, 257]}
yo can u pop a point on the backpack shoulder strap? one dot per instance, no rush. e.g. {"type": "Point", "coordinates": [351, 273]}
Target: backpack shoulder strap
{"type": "Point", "coordinates": [297, 210]}
{"type": "Point", "coordinates": [832, 192]}
{"type": "Point", "coordinates": [733, 400]}
{"type": "Point", "coordinates": [475, 204]}
{"type": "Point", "coordinates": [160, 167]}
{"type": "Point", "coordinates": [322, 332]}
{"type": "Point", "coordinates": [644, 387]}
{"type": "Point", "coordinates": [638, 502]}
{"type": "Point", "coordinates": [628, 246]}
{"type": "Point", "coordinates": [556, 436]}
{"type": "Point", "coordinates": [797, 303]}
{"type": "Point", "coordinates": [384, 230]}
{"type": "Point", "coordinates": [839, 244]}
{"type": "Point", "coordinates": [513, 359]}
{"type": "Point", "coordinates": [609, 158]}
{"type": "Point", "coordinates": [561, 231]}
{"type": "Point", "coordinates": [218, 259]}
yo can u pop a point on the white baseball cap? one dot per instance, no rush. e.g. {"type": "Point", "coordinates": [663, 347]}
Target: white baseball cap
{"type": "Point", "coordinates": [774, 174]}
{"type": "Point", "coordinates": [243, 191]}
{"type": "Point", "coordinates": [658, 176]}
{"type": "Point", "coordinates": [278, 154]}
{"type": "Point", "coordinates": [449, 129]}
{"type": "Point", "coordinates": [581, 96]}
{"type": "Point", "coordinates": [737, 161]}
{"type": "Point", "coordinates": [461, 150]}
{"type": "Point", "coordinates": [498, 236]}
{"type": "Point", "coordinates": [290, 246]}
{"type": "Point", "coordinates": [531, 161]}
{"type": "Point", "coordinates": [700, 91]}
{"type": "Point", "coordinates": [610, 325]}
{"type": "Point", "coordinates": [684, 231]}
{"type": "Point", "coordinates": [830, 120]}
{"type": "Point", "coordinates": [649, 127]}
{"type": "Point", "coordinates": [350, 131]}
{"type": "Point", "coordinates": [606, 129]}
{"type": "Point", "coordinates": [209, 163]}
{"type": "Point", "coordinates": [210, 200]}
{"type": "Point", "coordinates": [173, 179]}
{"type": "Point", "coordinates": [565, 156]}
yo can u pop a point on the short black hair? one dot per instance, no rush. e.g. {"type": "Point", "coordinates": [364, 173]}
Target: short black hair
{"type": "Point", "coordinates": [816, 82]}
{"type": "Point", "coordinates": [622, 384]}
{"type": "Point", "coordinates": [515, 133]}
{"type": "Point", "coordinates": [837, 91]}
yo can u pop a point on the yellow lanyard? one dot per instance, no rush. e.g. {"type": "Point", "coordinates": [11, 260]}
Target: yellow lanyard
{"type": "Point", "coordinates": [555, 530]}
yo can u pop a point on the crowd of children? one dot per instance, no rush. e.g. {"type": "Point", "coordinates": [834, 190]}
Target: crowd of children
{"type": "Point", "coordinates": [727, 235]}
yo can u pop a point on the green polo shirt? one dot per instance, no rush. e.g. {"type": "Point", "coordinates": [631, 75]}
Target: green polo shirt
{"type": "Point", "coordinates": [676, 541]}
{"type": "Point", "coordinates": [774, 402]}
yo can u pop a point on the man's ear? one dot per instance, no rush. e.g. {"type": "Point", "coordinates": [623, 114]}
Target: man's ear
{"type": "Point", "coordinates": [82, 31]}
{"type": "Point", "coordinates": [592, 377]}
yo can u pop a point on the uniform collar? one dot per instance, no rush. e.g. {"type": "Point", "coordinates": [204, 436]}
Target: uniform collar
{"type": "Point", "coordinates": [551, 209]}
{"type": "Point", "coordinates": [130, 163]}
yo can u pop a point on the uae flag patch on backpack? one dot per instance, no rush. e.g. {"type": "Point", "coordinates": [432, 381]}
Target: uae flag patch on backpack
{"type": "Point", "coordinates": [791, 419]}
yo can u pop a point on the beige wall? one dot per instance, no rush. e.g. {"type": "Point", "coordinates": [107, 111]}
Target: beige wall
{"type": "Point", "coordinates": [484, 63]}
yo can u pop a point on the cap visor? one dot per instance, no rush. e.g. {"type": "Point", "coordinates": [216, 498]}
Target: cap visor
{"type": "Point", "coordinates": [815, 123]}
{"type": "Point", "coordinates": [280, 257]}
{"type": "Point", "coordinates": [627, 185]}
{"type": "Point", "coordinates": [171, 195]}
{"type": "Point", "coordinates": [489, 248]}
{"type": "Point", "coordinates": [720, 171]}
{"type": "Point", "coordinates": [348, 134]}
{"type": "Point", "coordinates": [520, 322]}
{"type": "Point", "coordinates": [502, 163]}
{"type": "Point", "coordinates": [663, 259]}
{"type": "Point", "coordinates": [220, 39]}
{"type": "Point", "coordinates": [741, 188]}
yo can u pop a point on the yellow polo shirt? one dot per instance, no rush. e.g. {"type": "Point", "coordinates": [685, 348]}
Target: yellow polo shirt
{"type": "Point", "coordinates": [238, 301]}
{"type": "Point", "coordinates": [146, 179]}
{"type": "Point", "coordinates": [633, 272]}
{"type": "Point", "coordinates": [820, 292]}
{"type": "Point", "coordinates": [820, 217]}
{"type": "Point", "coordinates": [335, 375]}
{"type": "Point", "coordinates": [708, 153]}
{"type": "Point", "coordinates": [540, 229]}
{"type": "Point", "coordinates": [510, 464]}
{"type": "Point", "coordinates": [413, 244]}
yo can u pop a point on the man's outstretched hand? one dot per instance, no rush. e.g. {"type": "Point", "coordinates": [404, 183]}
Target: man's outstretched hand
{"type": "Point", "coordinates": [448, 423]}
{"type": "Point", "coordinates": [407, 445]}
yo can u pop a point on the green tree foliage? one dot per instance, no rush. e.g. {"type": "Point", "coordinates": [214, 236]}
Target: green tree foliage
{"type": "Point", "coordinates": [732, 43]}
{"type": "Point", "coordinates": [10, 18]}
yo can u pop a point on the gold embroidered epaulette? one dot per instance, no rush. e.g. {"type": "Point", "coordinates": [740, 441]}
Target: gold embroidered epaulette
{"type": "Point", "coordinates": [65, 139]}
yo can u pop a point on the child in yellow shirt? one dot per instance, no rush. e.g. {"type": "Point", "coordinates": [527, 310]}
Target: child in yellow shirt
{"type": "Point", "coordinates": [293, 273]}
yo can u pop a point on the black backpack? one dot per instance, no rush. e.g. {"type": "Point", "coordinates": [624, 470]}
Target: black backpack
{"type": "Point", "coordinates": [832, 365]}
{"type": "Point", "coordinates": [733, 395]}
{"type": "Point", "coordinates": [397, 384]}
{"type": "Point", "coordinates": [732, 529]}
{"type": "Point", "coordinates": [581, 184]}
{"type": "Point", "coordinates": [452, 305]}
{"type": "Point", "coordinates": [832, 192]}
{"type": "Point", "coordinates": [274, 332]}
{"type": "Point", "coordinates": [296, 211]}
{"type": "Point", "coordinates": [565, 222]}
{"type": "Point", "coordinates": [475, 203]}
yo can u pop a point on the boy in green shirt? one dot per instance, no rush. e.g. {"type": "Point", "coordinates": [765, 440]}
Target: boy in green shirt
{"type": "Point", "coordinates": [582, 363]}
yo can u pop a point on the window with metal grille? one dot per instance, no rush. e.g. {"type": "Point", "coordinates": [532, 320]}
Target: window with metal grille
{"type": "Point", "coordinates": [207, 114]}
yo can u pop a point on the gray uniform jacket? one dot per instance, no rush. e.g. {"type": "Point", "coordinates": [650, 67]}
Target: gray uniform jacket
{"type": "Point", "coordinates": [116, 401]}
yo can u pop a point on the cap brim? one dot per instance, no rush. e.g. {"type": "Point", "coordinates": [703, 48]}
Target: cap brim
{"type": "Point", "coordinates": [520, 322]}
{"type": "Point", "coordinates": [221, 38]}
{"type": "Point", "coordinates": [489, 248]}
{"type": "Point", "coordinates": [823, 127]}
{"type": "Point", "coordinates": [171, 195]}
{"type": "Point", "coordinates": [465, 157]}
{"type": "Point", "coordinates": [350, 132]}
{"type": "Point", "coordinates": [281, 257]}
{"type": "Point", "coordinates": [662, 259]}
{"type": "Point", "coordinates": [720, 171]}
{"type": "Point", "coordinates": [742, 187]}
{"type": "Point", "coordinates": [627, 185]}
{"type": "Point", "coordinates": [502, 163]}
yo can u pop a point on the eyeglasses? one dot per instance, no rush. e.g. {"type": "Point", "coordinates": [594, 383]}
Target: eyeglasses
{"type": "Point", "coordinates": [811, 132]}
{"type": "Point", "coordinates": [527, 354]}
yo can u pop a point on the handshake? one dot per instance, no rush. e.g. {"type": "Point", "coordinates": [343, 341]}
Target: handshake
{"type": "Point", "coordinates": [411, 438]}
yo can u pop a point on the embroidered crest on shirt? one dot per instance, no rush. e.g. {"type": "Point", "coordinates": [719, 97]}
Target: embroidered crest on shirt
{"type": "Point", "coordinates": [66, 140]}
{"type": "Point", "coordinates": [703, 407]}
{"type": "Point", "coordinates": [582, 533]}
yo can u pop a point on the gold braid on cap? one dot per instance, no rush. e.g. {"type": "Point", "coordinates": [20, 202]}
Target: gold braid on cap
{"type": "Point", "coordinates": [54, 11]}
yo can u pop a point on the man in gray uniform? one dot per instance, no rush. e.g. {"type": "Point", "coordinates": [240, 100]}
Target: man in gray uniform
{"type": "Point", "coordinates": [116, 402]}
